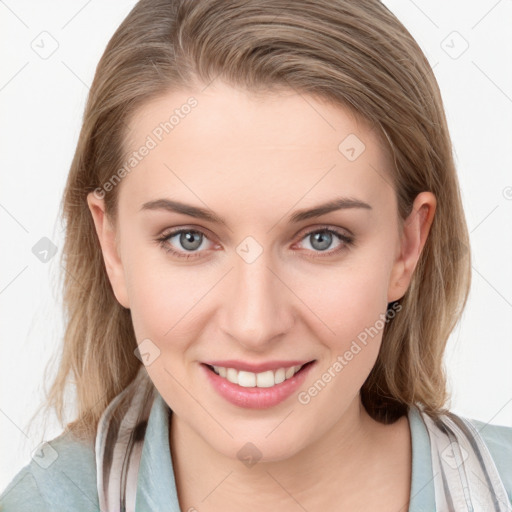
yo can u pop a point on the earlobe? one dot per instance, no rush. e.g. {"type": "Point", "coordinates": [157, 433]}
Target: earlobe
{"type": "Point", "coordinates": [107, 237]}
{"type": "Point", "coordinates": [414, 235]}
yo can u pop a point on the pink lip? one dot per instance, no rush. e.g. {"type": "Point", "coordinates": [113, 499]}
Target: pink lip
{"type": "Point", "coordinates": [256, 398]}
{"type": "Point", "coordinates": [255, 368]}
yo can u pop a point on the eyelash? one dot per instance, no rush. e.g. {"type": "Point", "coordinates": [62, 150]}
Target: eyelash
{"type": "Point", "coordinates": [348, 241]}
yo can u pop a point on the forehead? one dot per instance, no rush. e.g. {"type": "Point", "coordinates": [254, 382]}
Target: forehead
{"type": "Point", "coordinates": [231, 146]}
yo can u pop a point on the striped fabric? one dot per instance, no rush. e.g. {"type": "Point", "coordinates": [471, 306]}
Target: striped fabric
{"type": "Point", "coordinates": [119, 440]}
{"type": "Point", "coordinates": [465, 476]}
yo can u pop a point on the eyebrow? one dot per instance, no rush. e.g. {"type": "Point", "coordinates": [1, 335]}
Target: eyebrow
{"type": "Point", "coordinates": [340, 203]}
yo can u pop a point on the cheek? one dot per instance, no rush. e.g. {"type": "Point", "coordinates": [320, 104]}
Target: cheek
{"type": "Point", "coordinates": [164, 309]}
{"type": "Point", "coordinates": [351, 301]}
{"type": "Point", "coordinates": [348, 298]}
{"type": "Point", "coordinates": [163, 299]}
{"type": "Point", "coordinates": [353, 305]}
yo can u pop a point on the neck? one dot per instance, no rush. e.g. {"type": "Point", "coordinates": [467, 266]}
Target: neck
{"type": "Point", "coordinates": [336, 464]}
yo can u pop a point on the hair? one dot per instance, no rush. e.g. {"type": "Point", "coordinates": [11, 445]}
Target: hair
{"type": "Point", "coordinates": [356, 55]}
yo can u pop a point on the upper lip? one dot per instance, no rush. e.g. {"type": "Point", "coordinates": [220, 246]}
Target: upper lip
{"type": "Point", "coordinates": [256, 367]}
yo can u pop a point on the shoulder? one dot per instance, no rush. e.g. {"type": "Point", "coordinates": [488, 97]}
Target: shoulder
{"type": "Point", "coordinates": [60, 476]}
{"type": "Point", "coordinates": [498, 440]}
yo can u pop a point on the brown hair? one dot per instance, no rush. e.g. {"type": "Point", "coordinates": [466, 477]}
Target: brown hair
{"type": "Point", "coordinates": [353, 54]}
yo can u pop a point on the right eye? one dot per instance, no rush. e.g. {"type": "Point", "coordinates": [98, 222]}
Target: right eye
{"type": "Point", "coordinates": [190, 240]}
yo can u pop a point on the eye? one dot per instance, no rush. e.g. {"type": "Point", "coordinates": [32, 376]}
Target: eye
{"type": "Point", "coordinates": [321, 239]}
{"type": "Point", "coordinates": [185, 241]}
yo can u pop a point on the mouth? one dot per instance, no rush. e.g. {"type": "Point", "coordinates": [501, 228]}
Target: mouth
{"type": "Point", "coordinates": [261, 390]}
{"type": "Point", "coordinates": [265, 379]}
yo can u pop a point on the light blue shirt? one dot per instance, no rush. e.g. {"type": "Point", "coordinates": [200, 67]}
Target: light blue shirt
{"type": "Point", "coordinates": [69, 482]}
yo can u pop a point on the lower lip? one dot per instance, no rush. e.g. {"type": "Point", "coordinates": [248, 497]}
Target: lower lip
{"type": "Point", "coordinates": [256, 398]}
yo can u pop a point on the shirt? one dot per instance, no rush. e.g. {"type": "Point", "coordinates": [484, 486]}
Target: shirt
{"type": "Point", "coordinates": [62, 475]}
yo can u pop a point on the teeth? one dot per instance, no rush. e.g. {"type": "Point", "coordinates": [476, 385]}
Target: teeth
{"type": "Point", "coordinates": [261, 380]}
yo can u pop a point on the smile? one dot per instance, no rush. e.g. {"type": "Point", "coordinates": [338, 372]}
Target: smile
{"type": "Point", "coordinates": [256, 390]}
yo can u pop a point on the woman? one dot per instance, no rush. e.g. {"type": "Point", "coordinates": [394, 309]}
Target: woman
{"type": "Point", "coordinates": [266, 252]}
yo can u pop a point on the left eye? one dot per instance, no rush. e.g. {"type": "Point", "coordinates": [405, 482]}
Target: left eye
{"type": "Point", "coordinates": [321, 239]}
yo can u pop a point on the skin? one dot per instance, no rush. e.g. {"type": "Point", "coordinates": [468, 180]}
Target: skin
{"type": "Point", "coordinates": [254, 160]}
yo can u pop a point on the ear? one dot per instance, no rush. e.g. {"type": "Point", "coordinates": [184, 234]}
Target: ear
{"type": "Point", "coordinates": [109, 247]}
{"type": "Point", "coordinates": [414, 235]}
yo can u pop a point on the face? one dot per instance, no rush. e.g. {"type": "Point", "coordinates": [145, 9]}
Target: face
{"type": "Point", "coordinates": [254, 281]}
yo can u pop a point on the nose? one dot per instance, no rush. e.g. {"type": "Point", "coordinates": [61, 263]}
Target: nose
{"type": "Point", "coordinates": [257, 306]}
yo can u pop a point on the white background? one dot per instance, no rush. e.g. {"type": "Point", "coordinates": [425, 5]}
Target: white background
{"type": "Point", "coordinates": [42, 102]}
